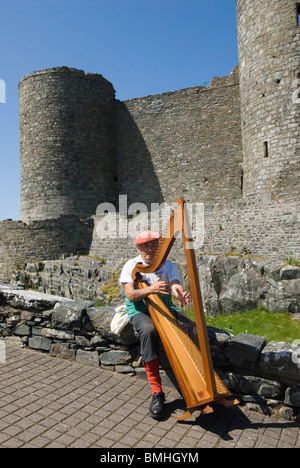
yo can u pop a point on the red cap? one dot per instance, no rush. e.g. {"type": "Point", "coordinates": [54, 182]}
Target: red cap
{"type": "Point", "coordinates": [146, 236]}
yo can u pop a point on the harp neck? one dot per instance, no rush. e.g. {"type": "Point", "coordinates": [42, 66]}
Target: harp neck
{"type": "Point", "coordinates": [175, 225]}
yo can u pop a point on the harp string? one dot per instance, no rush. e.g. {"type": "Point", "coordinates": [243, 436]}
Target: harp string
{"type": "Point", "coordinates": [185, 324]}
{"type": "Point", "coordinates": [186, 334]}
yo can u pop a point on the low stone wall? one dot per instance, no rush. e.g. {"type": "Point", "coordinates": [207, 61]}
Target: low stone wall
{"type": "Point", "coordinates": [228, 283]}
{"type": "Point", "coordinates": [264, 377]}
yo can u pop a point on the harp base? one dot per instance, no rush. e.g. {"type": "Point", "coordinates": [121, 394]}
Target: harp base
{"type": "Point", "coordinates": [225, 402]}
{"type": "Point", "coordinates": [206, 409]}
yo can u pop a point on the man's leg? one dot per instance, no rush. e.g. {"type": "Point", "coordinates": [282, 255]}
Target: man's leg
{"type": "Point", "coordinates": [149, 351]}
{"type": "Point", "coordinates": [152, 371]}
{"type": "Point", "coordinates": [148, 336]}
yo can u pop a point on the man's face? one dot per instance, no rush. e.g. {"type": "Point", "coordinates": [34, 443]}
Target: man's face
{"type": "Point", "coordinates": [148, 250]}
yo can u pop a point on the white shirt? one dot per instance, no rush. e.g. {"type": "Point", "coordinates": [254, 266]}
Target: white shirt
{"type": "Point", "coordinates": [168, 272]}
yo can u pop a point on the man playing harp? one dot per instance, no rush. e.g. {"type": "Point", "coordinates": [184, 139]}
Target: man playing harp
{"type": "Point", "coordinates": [165, 282]}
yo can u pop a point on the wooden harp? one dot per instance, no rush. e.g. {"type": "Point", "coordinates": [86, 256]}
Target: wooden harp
{"type": "Point", "coordinates": [193, 368]}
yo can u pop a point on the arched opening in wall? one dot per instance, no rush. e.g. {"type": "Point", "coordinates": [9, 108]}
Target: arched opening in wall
{"type": "Point", "coordinates": [298, 13]}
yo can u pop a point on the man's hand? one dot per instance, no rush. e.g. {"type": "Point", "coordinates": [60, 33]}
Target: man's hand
{"type": "Point", "coordinates": [160, 287]}
{"type": "Point", "coordinates": [180, 294]}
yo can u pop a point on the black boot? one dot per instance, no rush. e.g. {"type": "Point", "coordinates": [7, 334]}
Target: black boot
{"type": "Point", "coordinates": [157, 406]}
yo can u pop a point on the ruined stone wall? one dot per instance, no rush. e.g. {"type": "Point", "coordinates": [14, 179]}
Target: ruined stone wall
{"type": "Point", "coordinates": [49, 239]}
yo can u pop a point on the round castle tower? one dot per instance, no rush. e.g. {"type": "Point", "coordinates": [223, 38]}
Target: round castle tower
{"type": "Point", "coordinates": [66, 142]}
{"type": "Point", "coordinates": [269, 63]}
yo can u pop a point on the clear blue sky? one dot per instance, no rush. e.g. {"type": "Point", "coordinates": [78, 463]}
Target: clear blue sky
{"type": "Point", "coordinates": [142, 46]}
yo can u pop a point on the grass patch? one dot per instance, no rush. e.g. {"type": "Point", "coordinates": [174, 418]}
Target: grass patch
{"type": "Point", "coordinates": [111, 288]}
{"type": "Point", "coordinates": [292, 261]}
{"type": "Point", "coordinates": [275, 326]}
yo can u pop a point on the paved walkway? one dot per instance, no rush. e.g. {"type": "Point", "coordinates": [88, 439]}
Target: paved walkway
{"type": "Point", "coordinates": [50, 402]}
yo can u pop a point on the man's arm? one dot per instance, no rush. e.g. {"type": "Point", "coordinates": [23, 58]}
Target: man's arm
{"type": "Point", "coordinates": [134, 295]}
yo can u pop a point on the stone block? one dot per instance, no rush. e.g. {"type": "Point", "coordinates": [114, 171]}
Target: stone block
{"type": "Point", "coordinates": [115, 358]}
{"type": "Point", "coordinates": [292, 396]}
{"type": "Point", "coordinates": [244, 350]}
{"type": "Point", "coordinates": [290, 273]}
{"type": "Point", "coordinates": [219, 340]}
{"type": "Point", "coordinates": [125, 370]}
{"type": "Point", "coordinates": [69, 315]}
{"type": "Point", "coordinates": [248, 384]}
{"type": "Point", "coordinates": [63, 350]}
{"type": "Point", "coordinates": [39, 342]}
{"type": "Point", "coordinates": [22, 330]}
{"type": "Point", "coordinates": [101, 318]}
{"type": "Point", "coordinates": [89, 358]}
{"type": "Point", "coordinates": [57, 334]}
{"type": "Point", "coordinates": [280, 360]}
{"type": "Point", "coordinates": [29, 300]}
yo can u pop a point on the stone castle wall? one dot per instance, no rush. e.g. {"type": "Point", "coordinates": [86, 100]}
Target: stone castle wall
{"type": "Point", "coordinates": [186, 142]}
{"type": "Point", "coordinates": [259, 226]}
{"type": "Point", "coordinates": [269, 63]}
{"type": "Point", "coordinates": [266, 228]}
{"type": "Point", "coordinates": [80, 147]}
{"type": "Point", "coordinates": [66, 143]}
{"type": "Point", "coordinates": [233, 146]}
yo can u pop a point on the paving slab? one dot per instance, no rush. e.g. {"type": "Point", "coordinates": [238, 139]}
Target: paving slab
{"type": "Point", "coordinates": [49, 402]}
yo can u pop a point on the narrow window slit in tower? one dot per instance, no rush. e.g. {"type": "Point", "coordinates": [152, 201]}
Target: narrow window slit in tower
{"type": "Point", "coordinates": [266, 149]}
{"type": "Point", "coordinates": [298, 13]}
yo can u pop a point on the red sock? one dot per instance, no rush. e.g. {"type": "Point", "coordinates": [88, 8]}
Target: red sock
{"type": "Point", "coordinates": [152, 370]}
